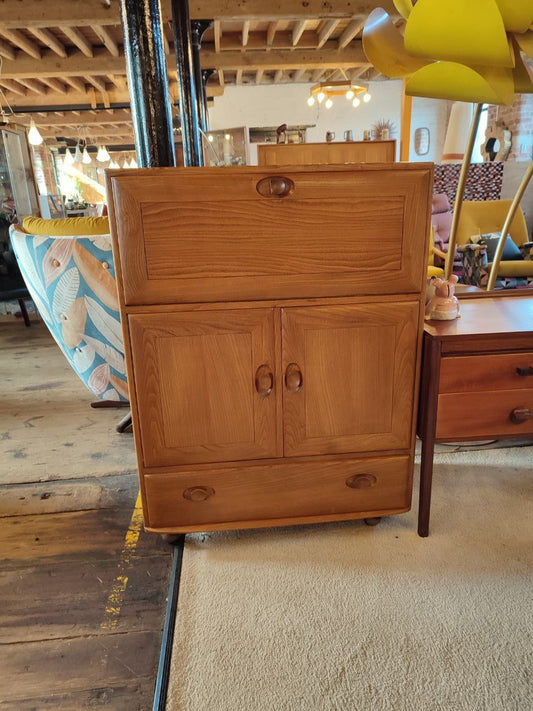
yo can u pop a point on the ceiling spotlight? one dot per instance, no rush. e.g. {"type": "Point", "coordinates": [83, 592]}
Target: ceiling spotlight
{"type": "Point", "coordinates": [328, 104]}
{"type": "Point", "coordinates": [34, 137]}
{"type": "Point", "coordinates": [367, 97]}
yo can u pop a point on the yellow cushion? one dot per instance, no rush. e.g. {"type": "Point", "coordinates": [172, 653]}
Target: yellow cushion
{"type": "Point", "coordinates": [435, 271]}
{"type": "Point", "coordinates": [66, 226]}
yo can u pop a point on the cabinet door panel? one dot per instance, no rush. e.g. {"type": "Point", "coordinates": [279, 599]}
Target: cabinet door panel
{"type": "Point", "coordinates": [196, 390]}
{"type": "Point", "coordinates": [357, 372]}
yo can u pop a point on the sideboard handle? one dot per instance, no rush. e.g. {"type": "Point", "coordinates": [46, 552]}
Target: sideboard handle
{"type": "Point", "coordinates": [520, 415]}
{"type": "Point", "coordinates": [361, 481]}
{"type": "Point", "coordinates": [276, 186]}
{"type": "Point", "coordinates": [264, 380]}
{"type": "Point", "coordinates": [198, 493]}
{"type": "Point", "coordinates": [293, 378]}
{"type": "Point", "coordinates": [525, 371]}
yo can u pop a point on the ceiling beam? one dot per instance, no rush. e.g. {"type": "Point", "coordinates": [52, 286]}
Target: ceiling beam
{"type": "Point", "coordinates": [352, 30]}
{"type": "Point", "coordinates": [12, 86]}
{"type": "Point", "coordinates": [325, 31]}
{"type": "Point", "coordinates": [78, 39]}
{"type": "Point", "coordinates": [297, 32]}
{"type": "Point", "coordinates": [120, 116]}
{"type": "Point", "coordinates": [108, 42]}
{"type": "Point", "coordinates": [20, 40]}
{"type": "Point", "coordinates": [245, 32]}
{"type": "Point", "coordinates": [50, 40]}
{"type": "Point", "coordinates": [102, 64]}
{"type": "Point", "coordinates": [74, 98]}
{"type": "Point", "coordinates": [7, 51]}
{"type": "Point", "coordinates": [87, 13]}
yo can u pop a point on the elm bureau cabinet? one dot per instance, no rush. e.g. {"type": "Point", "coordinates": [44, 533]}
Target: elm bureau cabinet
{"type": "Point", "coordinates": [273, 327]}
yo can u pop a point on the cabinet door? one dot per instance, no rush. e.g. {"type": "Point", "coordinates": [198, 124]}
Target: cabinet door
{"type": "Point", "coordinates": [205, 385]}
{"type": "Point", "coordinates": [349, 376]}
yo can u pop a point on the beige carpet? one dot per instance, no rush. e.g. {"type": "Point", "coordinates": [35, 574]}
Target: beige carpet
{"type": "Point", "coordinates": [343, 616]}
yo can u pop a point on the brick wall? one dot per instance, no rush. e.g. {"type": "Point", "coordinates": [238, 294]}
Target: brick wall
{"type": "Point", "coordinates": [518, 118]}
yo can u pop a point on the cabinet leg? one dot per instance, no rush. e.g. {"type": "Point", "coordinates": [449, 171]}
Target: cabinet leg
{"type": "Point", "coordinates": [372, 520]}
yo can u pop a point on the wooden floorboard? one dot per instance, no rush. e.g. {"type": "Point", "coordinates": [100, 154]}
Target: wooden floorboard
{"type": "Point", "coordinates": [82, 587]}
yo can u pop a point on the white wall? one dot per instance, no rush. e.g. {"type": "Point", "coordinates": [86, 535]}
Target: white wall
{"type": "Point", "coordinates": [272, 105]}
{"type": "Point", "coordinates": [432, 114]}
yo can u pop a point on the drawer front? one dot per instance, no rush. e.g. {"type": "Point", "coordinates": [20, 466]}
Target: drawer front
{"type": "Point", "coordinates": [216, 234]}
{"type": "Point", "coordinates": [486, 414]}
{"type": "Point", "coordinates": [277, 491]}
{"type": "Point", "coordinates": [502, 371]}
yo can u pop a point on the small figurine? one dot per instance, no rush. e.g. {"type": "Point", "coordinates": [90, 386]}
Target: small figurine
{"type": "Point", "coordinates": [444, 306]}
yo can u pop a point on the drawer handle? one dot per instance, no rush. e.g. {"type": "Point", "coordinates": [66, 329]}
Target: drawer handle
{"type": "Point", "coordinates": [361, 481]}
{"type": "Point", "coordinates": [293, 378]}
{"type": "Point", "coordinates": [198, 493]}
{"type": "Point", "coordinates": [275, 186]}
{"type": "Point", "coordinates": [525, 371]}
{"type": "Point", "coordinates": [264, 380]}
{"type": "Point", "coordinates": [520, 415]}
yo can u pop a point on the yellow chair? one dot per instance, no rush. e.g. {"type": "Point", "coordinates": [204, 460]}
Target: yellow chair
{"type": "Point", "coordinates": [434, 271]}
{"type": "Point", "coordinates": [479, 218]}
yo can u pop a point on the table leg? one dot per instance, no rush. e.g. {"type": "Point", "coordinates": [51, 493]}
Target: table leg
{"type": "Point", "coordinates": [428, 427]}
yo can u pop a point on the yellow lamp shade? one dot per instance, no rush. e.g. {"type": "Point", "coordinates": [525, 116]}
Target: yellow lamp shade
{"type": "Point", "coordinates": [450, 80]}
{"type": "Point", "coordinates": [517, 15]}
{"type": "Point", "coordinates": [470, 32]}
{"type": "Point", "coordinates": [384, 47]}
{"type": "Point", "coordinates": [404, 7]}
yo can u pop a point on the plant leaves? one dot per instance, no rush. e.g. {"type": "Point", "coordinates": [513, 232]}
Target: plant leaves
{"type": "Point", "coordinates": [103, 242]}
{"type": "Point", "coordinates": [65, 293]}
{"type": "Point", "coordinates": [56, 259]}
{"type": "Point", "coordinates": [99, 379]}
{"type": "Point", "coordinates": [26, 264]}
{"type": "Point", "coordinates": [73, 323]}
{"type": "Point", "coordinates": [108, 326]}
{"type": "Point", "coordinates": [97, 276]}
{"type": "Point", "coordinates": [109, 354]}
{"type": "Point", "coordinates": [83, 358]}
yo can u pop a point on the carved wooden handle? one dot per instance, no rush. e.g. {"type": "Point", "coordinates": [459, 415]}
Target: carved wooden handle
{"type": "Point", "coordinates": [293, 378]}
{"type": "Point", "coordinates": [275, 186]}
{"type": "Point", "coordinates": [264, 380]}
{"type": "Point", "coordinates": [198, 493]}
{"type": "Point", "coordinates": [361, 481]}
{"type": "Point", "coordinates": [520, 415]}
{"type": "Point", "coordinates": [525, 371]}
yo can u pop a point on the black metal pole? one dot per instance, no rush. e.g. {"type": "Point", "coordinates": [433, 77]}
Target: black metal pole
{"type": "Point", "coordinates": [206, 73]}
{"type": "Point", "coordinates": [198, 27]}
{"type": "Point", "coordinates": [190, 119]}
{"type": "Point", "coordinates": [147, 80]}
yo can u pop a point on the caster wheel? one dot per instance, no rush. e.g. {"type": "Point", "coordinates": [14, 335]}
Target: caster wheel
{"type": "Point", "coordinates": [373, 521]}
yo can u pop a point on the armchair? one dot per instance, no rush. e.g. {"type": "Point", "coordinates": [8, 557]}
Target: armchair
{"type": "Point", "coordinates": [482, 218]}
{"type": "Point", "coordinates": [71, 279]}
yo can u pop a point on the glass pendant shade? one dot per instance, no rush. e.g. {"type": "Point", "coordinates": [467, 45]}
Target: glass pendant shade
{"type": "Point", "coordinates": [86, 158]}
{"type": "Point", "coordinates": [102, 156]}
{"type": "Point", "coordinates": [69, 158]}
{"type": "Point", "coordinates": [34, 137]}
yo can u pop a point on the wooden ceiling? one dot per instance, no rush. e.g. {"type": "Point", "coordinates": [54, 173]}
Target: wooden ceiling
{"type": "Point", "coordinates": [62, 61]}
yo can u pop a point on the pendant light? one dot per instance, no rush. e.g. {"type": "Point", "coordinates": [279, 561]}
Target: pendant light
{"type": "Point", "coordinates": [77, 154]}
{"type": "Point", "coordinates": [102, 156]}
{"type": "Point", "coordinates": [69, 158]}
{"type": "Point", "coordinates": [86, 158]}
{"type": "Point", "coordinates": [34, 137]}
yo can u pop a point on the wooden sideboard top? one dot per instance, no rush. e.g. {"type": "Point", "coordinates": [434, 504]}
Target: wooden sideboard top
{"type": "Point", "coordinates": [487, 316]}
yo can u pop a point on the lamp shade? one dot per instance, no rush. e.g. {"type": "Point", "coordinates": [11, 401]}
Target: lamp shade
{"type": "Point", "coordinates": [34, 137]}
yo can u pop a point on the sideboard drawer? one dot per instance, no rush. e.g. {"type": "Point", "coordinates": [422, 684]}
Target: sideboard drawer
{"type": "Point", "coordinates": [277, 491]}
{"type": "Point", "coordinates": [483, 414]}
{"type": "Point", "coordinates": [498, 371]}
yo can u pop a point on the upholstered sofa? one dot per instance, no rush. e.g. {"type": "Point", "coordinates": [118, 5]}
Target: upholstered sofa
{"type": "Point", "coordinates": [68, 268]}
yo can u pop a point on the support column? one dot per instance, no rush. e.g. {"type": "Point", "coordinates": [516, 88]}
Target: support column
{"type": "Point", "coordinates": [190, 118]}
{"type": "Point", "coordinates": [198, 27]}
{"type": "Point", "coordinates": [206, 73]}
{"type": "Point", "coordinates": [147, 81]}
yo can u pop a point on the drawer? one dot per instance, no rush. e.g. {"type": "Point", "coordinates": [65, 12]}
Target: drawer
{"type": "Point", "coordinates": [295, 491]}
{"type": "Point", "coordinates": [486, 372]}
{"type": "Point", "coordinates": [484, 414]}
{"type": "Point", "coordinates": [213, 234]}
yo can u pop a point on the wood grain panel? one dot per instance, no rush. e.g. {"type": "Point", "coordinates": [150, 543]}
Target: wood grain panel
{"type": "Point", "coordinates": [358, 370]}
{"type": "Point", "coordinates": [296, 491]}
{"type": "Point", "coordinates": [195, 386]}
{"type": "Point", "coordinates": [309, 153]}
{"type": "Point", "coordinates": [261, 238]}
{"type": "Point", "coordinates": [482, 414]}
{"type": "Point", "coordinates": [486, 372]}
{"type": "Point", "coordinates": [182, 232]}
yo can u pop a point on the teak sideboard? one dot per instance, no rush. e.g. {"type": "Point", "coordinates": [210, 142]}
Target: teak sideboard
{"type": "Point", "coordinates": [273, 323]}
{"type": "Point", "coordinates": [274, 154]}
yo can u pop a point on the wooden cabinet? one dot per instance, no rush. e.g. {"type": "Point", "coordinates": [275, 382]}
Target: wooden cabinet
{"type": "Point", "coordinates": [334, 152]}
{"type": "Point", "coordinates": [272, 380]}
